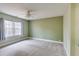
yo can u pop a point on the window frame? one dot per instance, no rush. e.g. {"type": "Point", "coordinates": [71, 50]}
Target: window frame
{"type": "Point", "coordinates": [13, 28]}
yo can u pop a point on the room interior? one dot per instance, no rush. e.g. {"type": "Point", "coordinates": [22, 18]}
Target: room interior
{"type": "Point", "coordinates": [39, 29]}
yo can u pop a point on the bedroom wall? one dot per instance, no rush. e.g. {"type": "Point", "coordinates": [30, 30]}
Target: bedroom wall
{"type": "Point", "coordinates": [71, 29]}
{"type": "Point", "coordinates": [48, 28]}
{"type": "Point", "coordinates": [67, 29]}
{"type": "Point", "coordinates": [76, 12]}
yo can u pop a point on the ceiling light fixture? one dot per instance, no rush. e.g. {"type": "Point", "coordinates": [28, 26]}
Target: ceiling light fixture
{"type": "Point", "coordinates": [29, 13]}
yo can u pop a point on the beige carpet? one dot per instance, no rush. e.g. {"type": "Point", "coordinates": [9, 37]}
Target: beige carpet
{"type": "Point", "coordinates": [33, 48]}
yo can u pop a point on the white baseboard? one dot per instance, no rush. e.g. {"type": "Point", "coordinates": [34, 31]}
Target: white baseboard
{"type": "Point", "coordinates": [46, 40]}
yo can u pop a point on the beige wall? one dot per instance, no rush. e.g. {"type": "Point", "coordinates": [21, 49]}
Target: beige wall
{"type": "Point", "coordinates": [71, 29]}
{"type": "Point", "coordinates": [77, 29]}
{"type": "Point", "coordinates": [67, 29]}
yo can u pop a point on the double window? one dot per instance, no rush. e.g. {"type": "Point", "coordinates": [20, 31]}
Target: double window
{"type": "Point", "coordinates": [12, 28]}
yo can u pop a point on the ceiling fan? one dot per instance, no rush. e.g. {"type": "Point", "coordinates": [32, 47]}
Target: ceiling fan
{"type": "Point", "coordinates": [29, 13]}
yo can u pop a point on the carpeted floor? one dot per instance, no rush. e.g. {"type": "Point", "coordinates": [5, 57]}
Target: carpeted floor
{"type": "Point", "coordinates": [33, 48]}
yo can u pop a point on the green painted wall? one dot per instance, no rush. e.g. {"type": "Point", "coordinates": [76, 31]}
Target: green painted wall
{"type": "Point", "coordinates": [49, 28]}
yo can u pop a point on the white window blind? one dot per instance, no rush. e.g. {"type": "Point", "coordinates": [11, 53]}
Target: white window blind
{"type": "Point", "coordinates": [17, 28]}
{"type": "Point", "coordinates": [12, 28]}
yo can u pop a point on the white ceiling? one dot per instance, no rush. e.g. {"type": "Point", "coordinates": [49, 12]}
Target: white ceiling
{"type": "Point", "coordinates": [39, 10]}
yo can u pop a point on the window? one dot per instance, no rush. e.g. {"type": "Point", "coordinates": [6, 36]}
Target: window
{"type": "Point", "coordinates": [8, 25]}
{"type": "Point", "coordinates": [12, 28]}
{"type": "Point", "coordinates": [17, 28]}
